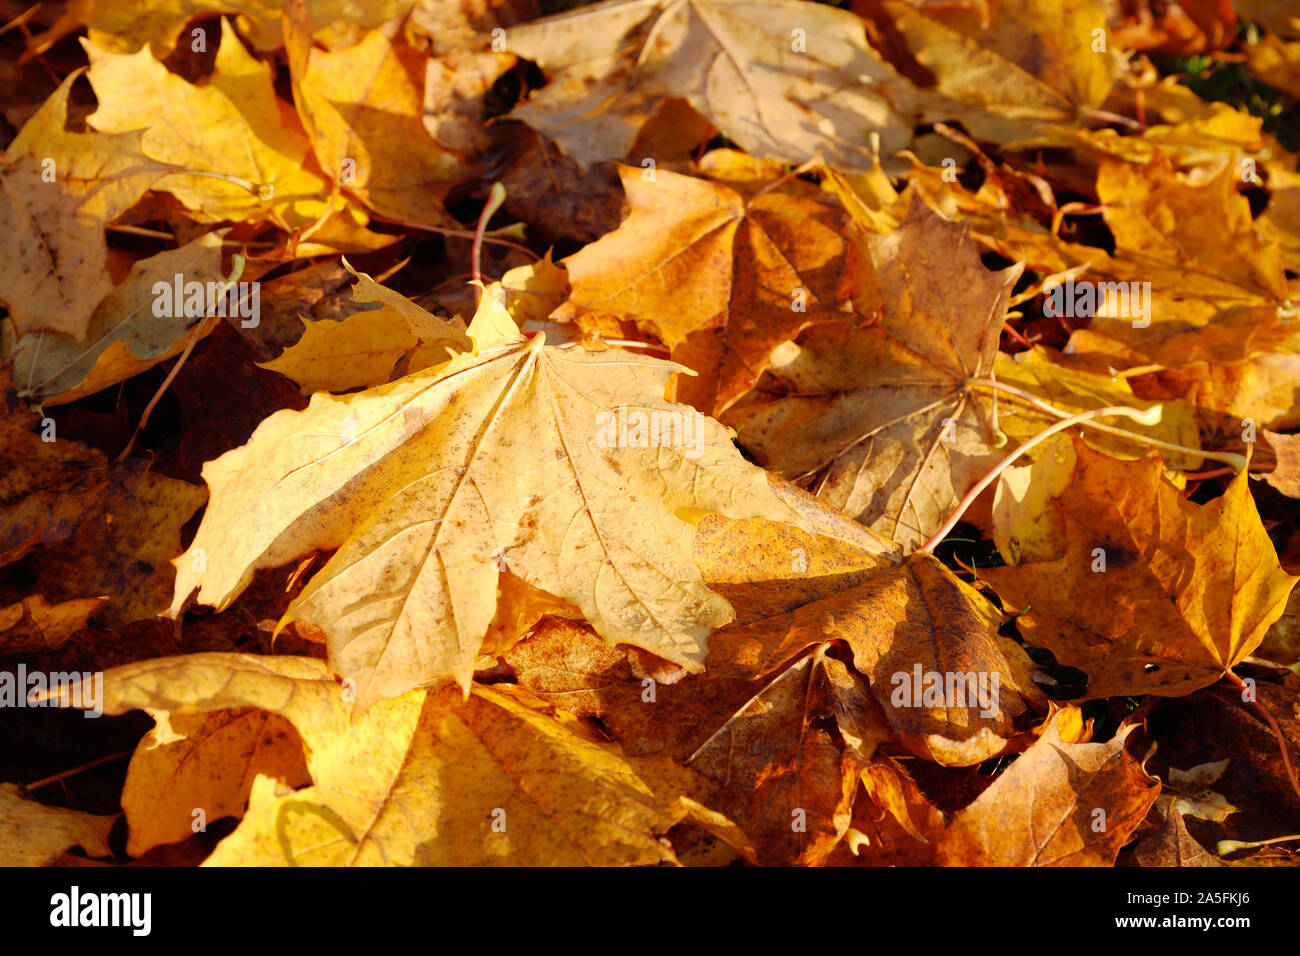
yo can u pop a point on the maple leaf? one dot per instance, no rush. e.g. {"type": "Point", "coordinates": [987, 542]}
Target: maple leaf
{"type": "Point", "coordinates": [434, 484]}
{"type": "Point", "coordinates": [362, 109]}
{"type": "Point", "coordinates": [125, 336]}
{"type": "Point", "coordinates": [909, 629]}
{"type": "Point", "coordinates": [232, 126]}
{"type": "Point", "coordinates": [1186, 593]}
{"type": "Point", "coordinates": [33, 624]}
{"type": "Point", "coordinates": [758, 273]}
{"type": "Point", "coordinates": [782, 78]}
{"type": "Point", "coordinates": [32, 834]}
{"type": "Point", "coordinates": [1043, 809]}
{"type": "Point", "coordinates": [1172, 845]}
{"type": "Point", "coordinates": [793, 589]}
{"type": "Point", "coordinates": [123, 26]}
{"type": "Point", "coordinates": [781, 776]}
{"type": "Point", "coordinates": [424, 778]}
{"type": "Point", "coordinates": [887, 405]}
{"type": "Point", "coordinates": [59, 191]}
{"type": "Point", "coordinates": [1003, 94]}
{"type": "Point", "coordinates": [363, 348]}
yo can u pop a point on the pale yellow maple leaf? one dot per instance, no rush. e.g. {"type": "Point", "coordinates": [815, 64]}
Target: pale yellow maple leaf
{"type": "Point", "coordinates": [513, 459]}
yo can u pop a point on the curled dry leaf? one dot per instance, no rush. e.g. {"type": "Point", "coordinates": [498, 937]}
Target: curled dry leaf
{"type": "Point", "coordinates": [1171, 845]}
{"type": "Point", "coordinates": [948, 685]}
{"type": "Point", "coordinates": [1063, 802]}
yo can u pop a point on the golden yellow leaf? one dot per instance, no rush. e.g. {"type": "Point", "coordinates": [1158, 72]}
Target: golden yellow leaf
{"type": "Point", "coordinates": [362, 108]}
{"type": "Point", "coordinates": [232, 125]}
{"type": "Point", "coordinates": [32, 834]}
{"type": "Point", "coordinates": [1154, 594]}
{"type": "Point", "coordinates": [362, 349]}
{"type": "Point", "coordinates": [59, 189]}
{"type": "Point", "coordinates": [426, 778]}
{"type": "Point", "coordinates": [126, 335]}
{"type": "Point", "coordinates": [518, 458]}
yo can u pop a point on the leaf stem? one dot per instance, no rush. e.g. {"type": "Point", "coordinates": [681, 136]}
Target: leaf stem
{"type": "Point", "coordinates": [46, 781]}
{"type": "Point", "coordinates": [1147, 416]}
{"type": "Point", "coordinates": [488, 237]}
{"type": "Point", "coordinates": [1238, 462]}
{"type": "Point", "coordinates": [495, 198]}
{"type": "Point", "coordinates": [1277, 731]}
{"type": "Point", "coordinates": [237, 269]}
{"type": "Point", "coordinates": [806, 167]}
{"type": "Point", "coordinates": [1225, 847]}
{"type": "Point", "coordinates": [264, 192]}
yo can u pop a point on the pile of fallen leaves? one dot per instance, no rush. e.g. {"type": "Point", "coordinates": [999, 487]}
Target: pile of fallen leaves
{"type": "Point", "coordinates": [700, 431]}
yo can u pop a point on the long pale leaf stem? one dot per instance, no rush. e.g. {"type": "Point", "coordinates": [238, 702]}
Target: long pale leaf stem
{"type": "Point", "coordinates": [1148, 416]}
{"type": "Point", "coordinates": [1238, 462]}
